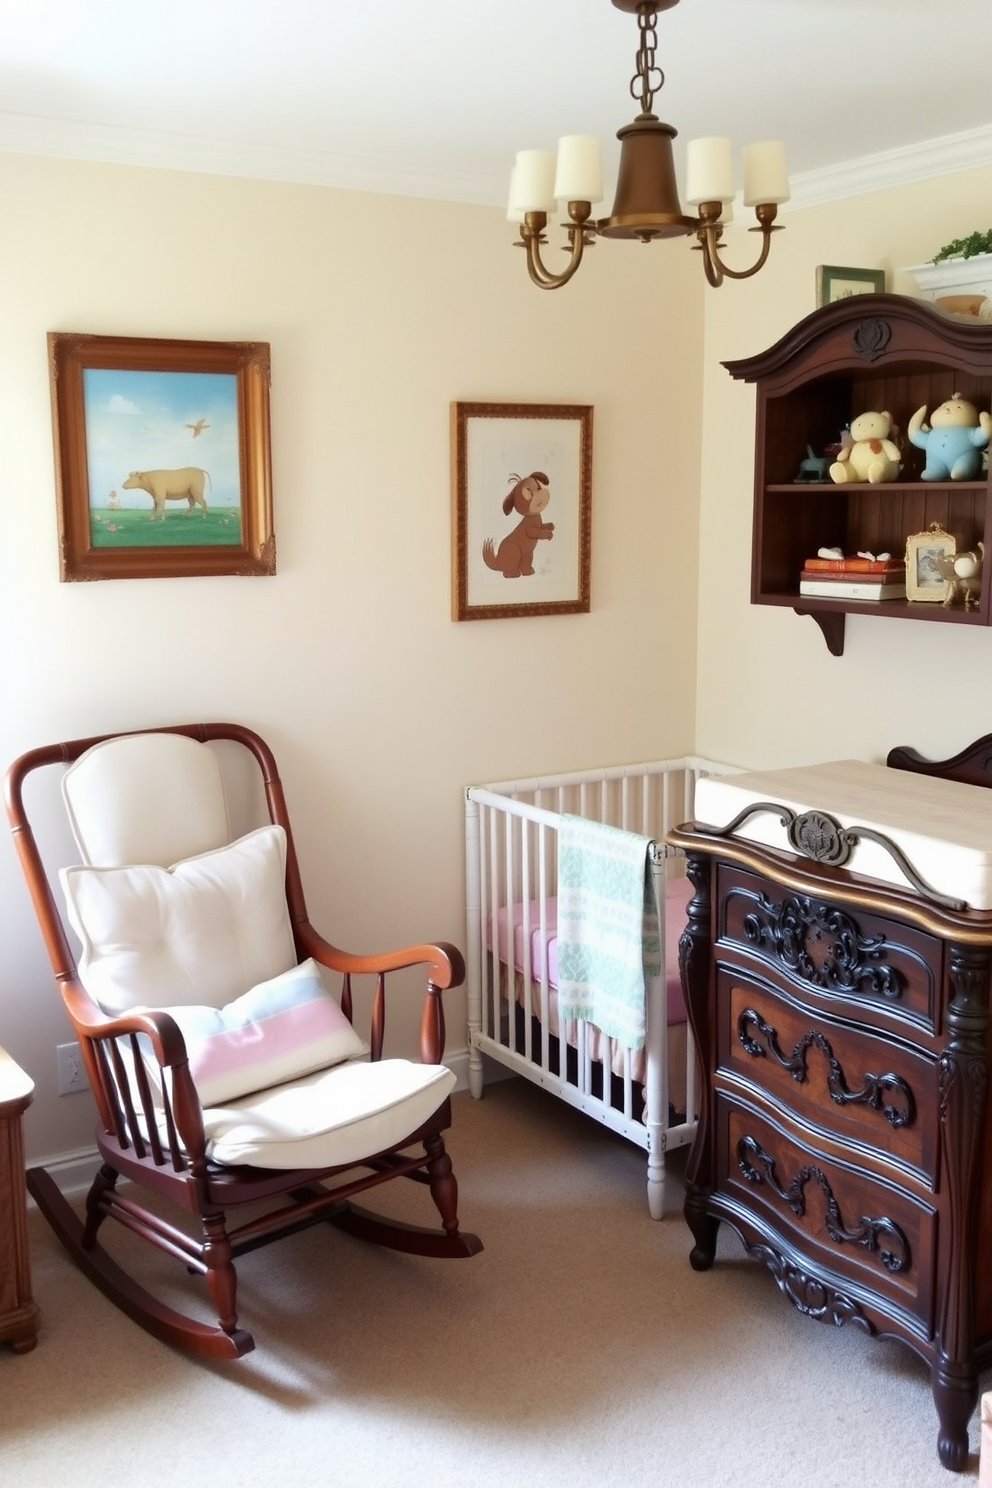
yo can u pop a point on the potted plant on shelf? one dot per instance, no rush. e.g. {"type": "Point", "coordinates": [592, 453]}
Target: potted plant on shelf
{"type": "Point", "coordinates": [959, 276]}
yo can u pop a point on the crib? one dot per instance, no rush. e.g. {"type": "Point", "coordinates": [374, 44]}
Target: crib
{"type": "Point", "coordinates": [511, 840]}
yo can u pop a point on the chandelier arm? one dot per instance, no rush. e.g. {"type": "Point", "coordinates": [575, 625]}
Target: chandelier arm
{"type": "Point", "coordinates": [532, 236]}
{"type": "Point", "coordinates": [709, 233]}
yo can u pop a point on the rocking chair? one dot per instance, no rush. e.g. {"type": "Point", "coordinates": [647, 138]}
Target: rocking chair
{"type": "Point", "coordinates": [226, 1071]}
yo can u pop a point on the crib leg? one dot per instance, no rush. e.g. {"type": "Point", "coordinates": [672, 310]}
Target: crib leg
{"type": "Point", "coordinates": [475, 1071]}
{"type": "Point", "coordinates": [656, 1172]}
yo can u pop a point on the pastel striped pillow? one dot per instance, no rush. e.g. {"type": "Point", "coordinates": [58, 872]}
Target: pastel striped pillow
{"type": "Point", "coordinates": [283, 1028]}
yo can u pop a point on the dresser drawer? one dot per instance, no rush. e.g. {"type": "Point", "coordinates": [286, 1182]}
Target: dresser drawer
{"type": "Point", "coordinates": [850, 1226]}
{"type": "Point", "coordinates": [876, 968]}
{"type": "Point", "coordinates": [853, 1083]}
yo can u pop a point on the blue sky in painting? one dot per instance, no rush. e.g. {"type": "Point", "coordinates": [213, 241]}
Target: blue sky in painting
{"type": "Point", "coordinates": [143, 421]}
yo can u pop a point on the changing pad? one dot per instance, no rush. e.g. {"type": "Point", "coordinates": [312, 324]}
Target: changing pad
{"type": "Point", "coordinates": [943, 827]}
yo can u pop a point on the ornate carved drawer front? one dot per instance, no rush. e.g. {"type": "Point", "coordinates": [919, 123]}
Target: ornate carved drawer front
{"type": "Point", "coordinates": [852, 1082]}
{"type": "Point", "coordinates": [847, 1225]}
{"type": "Point", "coordinates": [879, 966]}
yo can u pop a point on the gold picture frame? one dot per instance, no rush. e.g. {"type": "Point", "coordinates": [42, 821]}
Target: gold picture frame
{"type": "Point", "coordinates": [145, 426]}
{"type": "Point", "coordinates": [521, 506]}
{"type": "Point", "coordinates": [925, 584]}
{"type": "Point", "coordinates": [834, 282]}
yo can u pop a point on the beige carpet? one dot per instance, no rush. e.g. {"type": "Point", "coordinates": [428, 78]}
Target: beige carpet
{"type": "Point", "coordinates": [578, 1349]}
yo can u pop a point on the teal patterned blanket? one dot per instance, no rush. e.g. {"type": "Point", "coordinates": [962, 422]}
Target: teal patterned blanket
{"type": "Point", "coordinates": [608, 934]}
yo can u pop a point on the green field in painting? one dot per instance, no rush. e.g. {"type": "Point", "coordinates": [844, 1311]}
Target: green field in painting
{"type": "Point", "coordinates": [130, 528]}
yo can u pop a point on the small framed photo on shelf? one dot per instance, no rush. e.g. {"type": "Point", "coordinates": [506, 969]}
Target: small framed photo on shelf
{"type": "Point", "coordinates": [836, 283]}
{"type": "Point", "coordinates": [925, 583]}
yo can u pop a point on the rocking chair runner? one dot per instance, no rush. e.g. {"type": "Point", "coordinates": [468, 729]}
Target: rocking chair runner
{"type": "Point", "coordinates": [223, 1070]}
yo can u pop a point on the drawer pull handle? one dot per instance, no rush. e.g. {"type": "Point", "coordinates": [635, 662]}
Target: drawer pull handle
{"type": "Point", "coordinates": [877, 1092]}
{"type": "Point", "coordinates": [849, 962]}
{"type": "Point", "coordinates": [876, 1235]}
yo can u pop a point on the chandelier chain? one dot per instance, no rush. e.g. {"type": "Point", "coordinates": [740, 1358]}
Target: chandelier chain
{"type": "Point", "coordinates": [648, 78]}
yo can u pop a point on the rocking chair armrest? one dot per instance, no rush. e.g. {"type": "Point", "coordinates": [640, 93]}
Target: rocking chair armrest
{"type": "Point", "coordinates": [445, 962]}
{"type": "Point", "coordinates": [168, 1048]}
{"type": "Point", "coordinates": [158, 1025]}
{"type": "Point", "coordinates": [90, 1021]}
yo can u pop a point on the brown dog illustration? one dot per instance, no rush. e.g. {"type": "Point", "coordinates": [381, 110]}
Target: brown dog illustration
{"type": "Point", "coordinates": [515, 554]}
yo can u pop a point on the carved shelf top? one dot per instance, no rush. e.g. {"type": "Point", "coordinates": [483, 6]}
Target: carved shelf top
{"type": "Point", "coordinates": [870, 330]}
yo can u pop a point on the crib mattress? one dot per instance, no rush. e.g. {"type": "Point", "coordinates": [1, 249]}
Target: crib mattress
{"type": "Point", "coordinates": [943, 826]}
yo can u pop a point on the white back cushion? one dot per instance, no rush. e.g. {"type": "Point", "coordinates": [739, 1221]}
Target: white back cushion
{"type": "Point", "coordinates": [203, 931]}
{"type": "Point", "coordinates": [146, 798]}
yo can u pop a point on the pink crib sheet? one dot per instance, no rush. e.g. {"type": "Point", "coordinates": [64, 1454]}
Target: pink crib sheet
{"type": "Point", "coordinates": [678, 892]}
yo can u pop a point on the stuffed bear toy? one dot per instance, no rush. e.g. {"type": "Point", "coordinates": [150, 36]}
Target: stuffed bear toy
{"type": "Point", "coordinates": [868, 452]}
{"type": "Point", "coordinates": [954, 439]}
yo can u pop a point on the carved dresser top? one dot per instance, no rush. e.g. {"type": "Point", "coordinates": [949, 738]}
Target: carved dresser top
{"type": "Point", "coordinates": [853, 814]}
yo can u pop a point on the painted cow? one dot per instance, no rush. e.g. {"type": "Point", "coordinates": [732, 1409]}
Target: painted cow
{"type": "Point", "coordinates": [171, 485]}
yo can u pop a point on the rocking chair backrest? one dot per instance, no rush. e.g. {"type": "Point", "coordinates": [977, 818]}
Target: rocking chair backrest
{"type": "Point", "coordinates": [146, 798]}
{"type": "Point", "coordinates": [180, 822]}
{"type": "Point", "coordinates": [207, 930]}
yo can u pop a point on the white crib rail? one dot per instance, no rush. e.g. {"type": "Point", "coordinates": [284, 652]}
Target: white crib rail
{"type": "Point", "coordinates": [511, 859]}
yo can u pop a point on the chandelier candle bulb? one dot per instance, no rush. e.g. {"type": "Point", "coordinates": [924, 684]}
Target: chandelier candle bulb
{"type": "Point", "coordinates": [579, 176]}
{"type": "Point", "coordinates": [513, 212]}
{"type": "Point", "coordinates": [765, 177]}
{"type": "Point", "coordinates": [533, 181]}
{"type": "Point", "coordinates": [709, 171]}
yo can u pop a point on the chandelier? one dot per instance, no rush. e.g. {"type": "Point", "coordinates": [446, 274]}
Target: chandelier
{"type": "Point", "coordinates": [647, 199]}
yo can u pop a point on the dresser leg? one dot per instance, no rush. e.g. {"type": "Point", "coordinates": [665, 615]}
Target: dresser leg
{"type": "Point", "coordinates": [23, 1340]}
{"type": "Point", "coordinates": [704, 1230]}
{"type": "Point", "coordinates": [955, 1394]}
{"type": "Point", "coordinates": [963, 1076]}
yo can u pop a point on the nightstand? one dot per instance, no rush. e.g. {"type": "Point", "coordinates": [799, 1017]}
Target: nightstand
{"type": "Point", "coordinates": [18, 1313]}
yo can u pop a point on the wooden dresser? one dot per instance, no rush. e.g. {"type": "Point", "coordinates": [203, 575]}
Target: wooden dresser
{"type": "Point", "coordinates": [18, 1314]}
{"type": "Point", "coordinates": [842, 1023]}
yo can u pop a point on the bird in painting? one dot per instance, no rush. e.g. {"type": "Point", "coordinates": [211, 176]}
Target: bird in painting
{"type": "Point", "coordinates": [198, 427]}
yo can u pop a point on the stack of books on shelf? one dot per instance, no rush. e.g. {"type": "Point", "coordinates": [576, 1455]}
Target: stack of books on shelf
{"type": "Point", "coordinates": [853, 578]}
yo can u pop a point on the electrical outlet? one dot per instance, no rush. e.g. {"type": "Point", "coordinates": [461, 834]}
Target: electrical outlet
{"type": "Point", "coordinates": [72, 1076]}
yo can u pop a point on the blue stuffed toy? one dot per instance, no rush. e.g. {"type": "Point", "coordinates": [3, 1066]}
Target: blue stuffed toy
{"type": "Point", "coordinates": [953, 440]}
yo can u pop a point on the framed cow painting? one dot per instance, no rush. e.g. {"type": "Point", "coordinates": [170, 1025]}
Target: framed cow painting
{"type": "Point", "coordinates": [162, 457]}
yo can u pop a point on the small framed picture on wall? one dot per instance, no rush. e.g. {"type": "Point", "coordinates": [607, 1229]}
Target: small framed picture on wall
{"type": "Point", "coordinates": [836, 283]}
{"type": "Point", "coordinates": [521, 502]}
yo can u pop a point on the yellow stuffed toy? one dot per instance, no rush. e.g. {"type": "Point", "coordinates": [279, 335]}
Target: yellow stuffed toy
{"type": "Point", "coordinates": [868, 452]}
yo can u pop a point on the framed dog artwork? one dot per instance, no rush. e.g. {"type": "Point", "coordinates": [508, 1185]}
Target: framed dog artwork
{"type": "Point", "coordinates": [521, 509]}
{"type": "Point", "coordinates": [162, 457]}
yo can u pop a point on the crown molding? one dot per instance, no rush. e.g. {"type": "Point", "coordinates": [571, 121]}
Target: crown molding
{"type": "Point", "coordinates": [968, 150]}
{"type": "Point", "coordinates": [23, 134]}
{"type": "Point", "coordinates": [28, 135]}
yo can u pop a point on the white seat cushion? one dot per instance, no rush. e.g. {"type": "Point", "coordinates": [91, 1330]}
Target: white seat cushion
{"type": "Point", "coordinates": [331, 1119]}
{"type": "Point", "coordinates": [204, 931]}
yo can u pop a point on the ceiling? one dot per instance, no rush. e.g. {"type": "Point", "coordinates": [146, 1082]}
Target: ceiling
{"type": "Point", "coordinates": [433, 97]}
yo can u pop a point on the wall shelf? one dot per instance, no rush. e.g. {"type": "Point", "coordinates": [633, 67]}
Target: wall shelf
{"type": "Point", "coordinates": [866, 352]}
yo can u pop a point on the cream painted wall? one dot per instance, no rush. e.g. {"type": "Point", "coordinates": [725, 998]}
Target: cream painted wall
{"type": "Point", "coordinates": [769, 693]}
{"type": "Point", "coordinates": [379, 312]}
